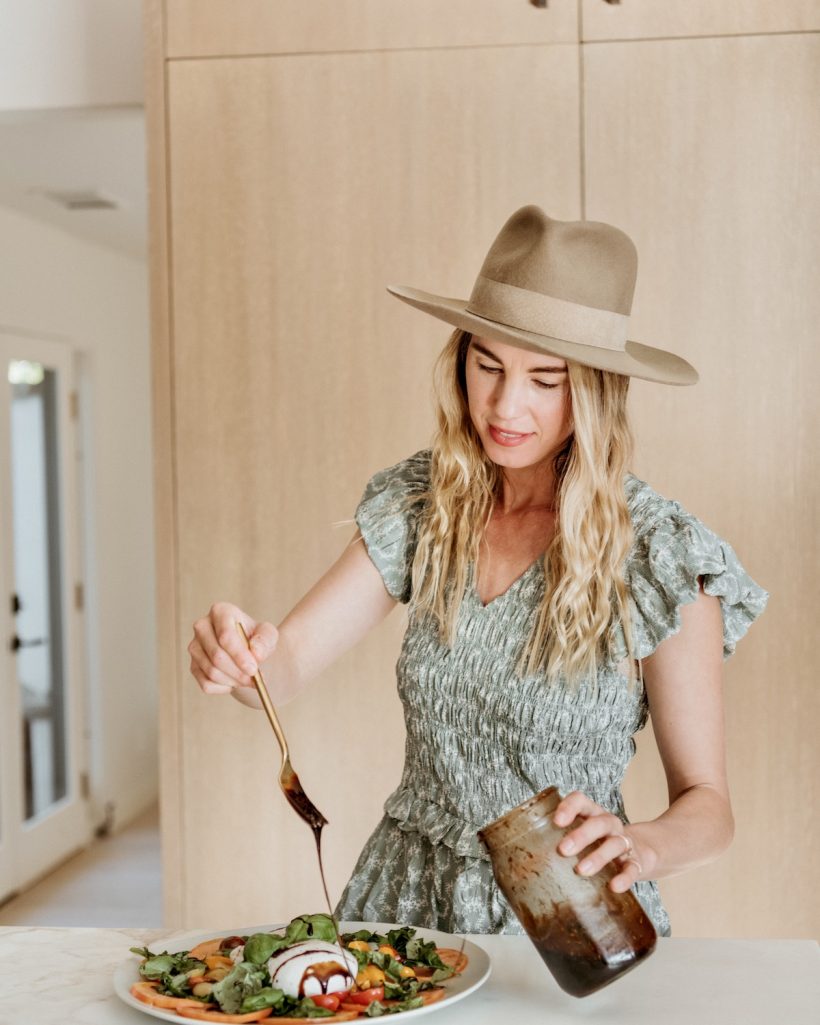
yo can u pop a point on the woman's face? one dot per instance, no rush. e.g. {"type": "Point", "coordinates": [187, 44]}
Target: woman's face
{"type": "Point", "coordinates": [519, 402]}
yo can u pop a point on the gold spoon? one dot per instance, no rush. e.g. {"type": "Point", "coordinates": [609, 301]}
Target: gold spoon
{"type": "Point", "coordinates": [288, 780]}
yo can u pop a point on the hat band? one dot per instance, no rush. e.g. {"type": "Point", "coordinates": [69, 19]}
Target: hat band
{"type": "Point", "coordinates": [545, 315]}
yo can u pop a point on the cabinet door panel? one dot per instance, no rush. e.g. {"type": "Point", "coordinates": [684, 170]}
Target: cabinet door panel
{"type": "Point", "coordinates": [237, 27]}
{"type": "Point", "coordinates": [705, 152]}
{"type": "Point", "coordinates": [300, 187]}
{"type": "Point", "coordinates": [647, 19]}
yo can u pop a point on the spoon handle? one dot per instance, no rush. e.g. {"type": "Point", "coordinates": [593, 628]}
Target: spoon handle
{"type": "Point", "coordinates": [267, 704]}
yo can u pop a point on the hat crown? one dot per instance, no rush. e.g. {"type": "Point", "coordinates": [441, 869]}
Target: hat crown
{"type": "Point", "coordinates": [585, 262]}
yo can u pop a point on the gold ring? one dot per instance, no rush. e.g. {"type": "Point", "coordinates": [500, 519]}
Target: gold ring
{"type": "Point", "coordinates": [628, 848]}
{"type": "Point", "coordinates": [636, 863]}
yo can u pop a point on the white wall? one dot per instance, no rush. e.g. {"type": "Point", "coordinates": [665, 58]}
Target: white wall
{"type": "Point", "coordinates": [54, 284]}
{"type": "Point", "coordinates": [70, 53]}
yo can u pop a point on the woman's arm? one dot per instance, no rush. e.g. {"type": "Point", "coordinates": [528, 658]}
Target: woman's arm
{"type": "Point", "coordinates": [683, 682]}
{"type": "Point", "coordinates": [337, 612]}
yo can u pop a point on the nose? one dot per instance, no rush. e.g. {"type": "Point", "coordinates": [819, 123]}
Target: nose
{"type": "Point", "coordinates": [508, 398]}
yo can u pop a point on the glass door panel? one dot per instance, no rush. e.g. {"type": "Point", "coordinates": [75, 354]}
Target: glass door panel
{"type": "Point", "coordinates": [37, 638]}
{"type": "Point", "coordinates": [43, 814]}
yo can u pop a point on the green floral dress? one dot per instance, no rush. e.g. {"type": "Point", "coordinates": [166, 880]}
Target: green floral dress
{"type": "Point", "coordinates": [481, 739]}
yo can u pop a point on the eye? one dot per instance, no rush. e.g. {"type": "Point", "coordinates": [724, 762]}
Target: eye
{"type": "Point", "coordinates": [547, 384]}
{"type": "Point", "coordinates": [489, 369]}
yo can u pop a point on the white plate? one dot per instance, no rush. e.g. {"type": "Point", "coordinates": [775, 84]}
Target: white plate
{"type": "Point", "coordinates": [476, 973]}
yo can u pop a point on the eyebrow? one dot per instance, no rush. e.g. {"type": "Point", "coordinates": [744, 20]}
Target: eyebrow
{"type": "Point", "coordinates": [533, 370]}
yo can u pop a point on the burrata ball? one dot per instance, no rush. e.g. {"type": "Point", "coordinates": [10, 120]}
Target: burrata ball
{"type": "Point", "coordinates": [312, 967]}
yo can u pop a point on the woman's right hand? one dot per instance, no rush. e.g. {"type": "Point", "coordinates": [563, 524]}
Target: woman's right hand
{"type": "Point", "coordinates": [220, 659]}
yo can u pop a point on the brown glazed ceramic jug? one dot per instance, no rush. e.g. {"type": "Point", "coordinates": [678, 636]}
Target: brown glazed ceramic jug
{"type": "Point", "coordinates": [587, 935]}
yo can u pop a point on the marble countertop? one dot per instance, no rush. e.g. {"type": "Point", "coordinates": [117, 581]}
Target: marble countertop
{"type": "Point", "coordinates": [57, 976]}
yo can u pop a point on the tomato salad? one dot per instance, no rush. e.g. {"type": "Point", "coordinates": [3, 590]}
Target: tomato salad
{"type": "Point", "coordinates": [298, 974]}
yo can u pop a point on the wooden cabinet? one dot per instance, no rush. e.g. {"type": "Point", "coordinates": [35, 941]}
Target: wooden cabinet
{"type": "Point", "coordinates": [225, 27]}
{"type": "Point", "coordinates": [299, 188]}
{"type": "Point", "coordinates": [702, 151]}
{"type": "Point", "coordinates": [650, 19]}
{"type": "Point", "coordinates": [334, 148]}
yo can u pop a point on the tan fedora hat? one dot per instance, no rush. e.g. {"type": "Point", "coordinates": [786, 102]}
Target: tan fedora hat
{"type": "Point", "coordinates": [562, 287]}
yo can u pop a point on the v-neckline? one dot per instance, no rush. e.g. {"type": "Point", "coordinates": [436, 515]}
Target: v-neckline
{"type": "Point", "coordinates": [503, 595]}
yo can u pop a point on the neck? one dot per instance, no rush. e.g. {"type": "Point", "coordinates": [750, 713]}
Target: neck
{"type": "Point", "coordinates": [526, 488]}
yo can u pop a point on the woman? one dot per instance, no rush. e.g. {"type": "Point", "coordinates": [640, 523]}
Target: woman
{"type": "Point", "coordinates": [554, 599]}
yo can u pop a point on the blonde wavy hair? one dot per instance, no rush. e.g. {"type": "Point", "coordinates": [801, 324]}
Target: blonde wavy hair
{"type": "Point", "coordinates": [585, 599]}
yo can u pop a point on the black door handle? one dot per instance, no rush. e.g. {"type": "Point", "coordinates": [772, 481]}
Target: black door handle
{"type": "Point", "coordinates": [36, 642]}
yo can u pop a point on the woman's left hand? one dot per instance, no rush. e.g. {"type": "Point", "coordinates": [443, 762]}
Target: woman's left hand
{"type": "Point", "coordinates": [617, 842]}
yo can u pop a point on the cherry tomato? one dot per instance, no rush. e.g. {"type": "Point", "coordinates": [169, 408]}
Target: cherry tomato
{"type": "Point", "coordinates": [366, 996]}
{"type": "Point", "coordinates": [330, 1001]}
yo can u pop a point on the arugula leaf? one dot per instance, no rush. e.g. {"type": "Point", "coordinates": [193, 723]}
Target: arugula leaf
{"type": "Point", "coordinates": [305, 1008]}
{"type": "Point", "coordinates": [401, 990]}
{"type": "Point", "coordinates": [421, 952]}
{"type": "Point", "coordinates": [169, 969]}
{"type": "Point", "coordinates": [267, 997]}
{"type": "Point", "coordinates": [307, 927]}
{"type": "Point", "coordinates": [377, 1008]}
{"type": "Point", "coordinates": [362, 956]}
{"type": "Point", "coordinates": [424, 952]}
{"type": "Point", "coordinates": [397, 938]}
{"type": "Point", "coordinates": [282, 1004]}
{"type": "Point", "coordinates": [261, 946]}
{"type": "Point", "coordinates": [363, 934]}
{"type": "Point", "coordinates": [440, 974]}
{"type": "Point", "coordinates": [242, 981]}
{"type": "Point", "coordinates": [388, 964]}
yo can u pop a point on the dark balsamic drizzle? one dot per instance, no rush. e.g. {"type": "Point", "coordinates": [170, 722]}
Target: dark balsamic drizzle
{"type": "Point", "coordinates": [308, 811]}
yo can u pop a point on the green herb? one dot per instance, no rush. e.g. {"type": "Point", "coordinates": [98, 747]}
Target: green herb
{"type": "Point", "coordinates": [306, 1008]}
{"type": "Point", "coordinates": [283, 1005]}
{"type": "Point", "coordinates": [244, 980]}
{"type": "Point", "coordinates": [397, 938]}
{"type": "Point", "coordinates": [267, 997]}
{"type": "Point", "coordinates": [421, 952]}
{"type": "Point", "coordinates": [376, 1009]}
{"type": "Point", "coordinates": [261, 946]}
{"type": "Point", "coordinates": [402, 990]}
{"type": "Point", "coordinates": [155, 966]}
{"type": "Point", "coordinates": [363, 934]}
{"type": "Point", "coordinates": [311, 927]}
{"type": "Point", "coordinates": [388, 964]}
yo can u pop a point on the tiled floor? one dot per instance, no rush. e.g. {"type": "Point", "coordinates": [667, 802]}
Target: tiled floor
{"type": "Point", "coordinates": [116, 882]}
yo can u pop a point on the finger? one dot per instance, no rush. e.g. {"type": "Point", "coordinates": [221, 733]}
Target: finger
{"type": "Point", "coordinates": [611, 848]}
{"type": "Point", "coordinates": [225, 619]}
{"type": "Point", "coordinates": [212, 673]}
{"type": "Point", "coordinates": [263, 640]}
{"type": "Point", "coordinates": [205, 685]}
{"type": "Point", "coordinates": [628, 876]}
{"type": "Point", "coordinates": [222, 643]}
{"type": "Point", "coordinates": [572, 805]}
{"type": "Point", "coordinates": [592, 828]}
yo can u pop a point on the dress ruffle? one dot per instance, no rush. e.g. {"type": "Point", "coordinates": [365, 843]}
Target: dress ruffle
{"type": "Point", "coordinates": [415, 814]}
{"type": "Point", "coordinates": [672, 549]}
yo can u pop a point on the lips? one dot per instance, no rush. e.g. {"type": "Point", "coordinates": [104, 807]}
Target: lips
{"type": "Point", "coordinates": [509, 439]}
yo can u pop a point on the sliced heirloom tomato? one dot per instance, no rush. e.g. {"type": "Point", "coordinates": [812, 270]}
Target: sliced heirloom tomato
{"type": "Point", "coordinates": [341, 1016]}
{"type": "Point", "coordinates": [147, 993]}
{"type": "Point", "coordinates": [455, 959]}
{"type": "Point", "coordinates": [364, 996]}
{"type": "Point", "coordinates": [330, 1001]}
{"type": "Point", "coordinates": [236, 1019]}
{"type": "Point", "coordinates": [204, 949]}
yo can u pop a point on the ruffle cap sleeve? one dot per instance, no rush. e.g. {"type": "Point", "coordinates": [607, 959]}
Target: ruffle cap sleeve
{"type": "Point", "coordinates": [388, 515]}
{"type": "Point", "coordinates": [671, 550]}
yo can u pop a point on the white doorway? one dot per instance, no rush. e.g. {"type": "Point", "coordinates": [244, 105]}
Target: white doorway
{"type": "Point", "coordinates": [43, 783]}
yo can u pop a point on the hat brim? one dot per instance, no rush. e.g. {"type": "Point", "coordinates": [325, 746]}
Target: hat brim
{"type": "Point", "coordinates": [636, 360]}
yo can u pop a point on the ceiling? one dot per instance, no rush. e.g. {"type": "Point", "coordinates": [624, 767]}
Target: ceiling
{"type": "Point", "coordinates": [89, 149]}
